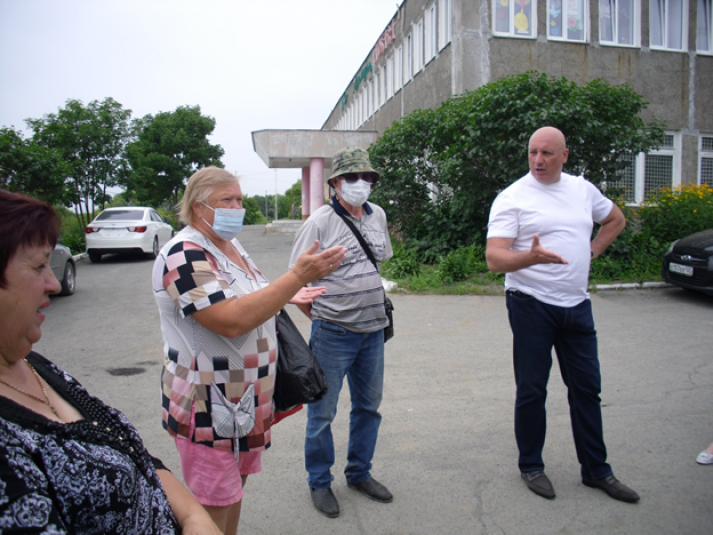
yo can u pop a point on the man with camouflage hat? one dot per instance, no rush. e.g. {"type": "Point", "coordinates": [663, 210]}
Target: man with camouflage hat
{"type": "Point", "coordinates": [347, 329]}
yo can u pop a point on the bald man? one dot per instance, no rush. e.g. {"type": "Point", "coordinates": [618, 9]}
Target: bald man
{"type": "Point", "coordinates": [540, 235]}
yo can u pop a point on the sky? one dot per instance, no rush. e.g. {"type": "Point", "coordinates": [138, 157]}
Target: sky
{"type": "Point", "coordinates": [251, 65]}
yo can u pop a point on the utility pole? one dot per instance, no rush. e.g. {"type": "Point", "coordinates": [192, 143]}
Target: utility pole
{"type": "Point", "coordinates": [275, 194]}
{"type": "Point", "coordinates": [267, 216]}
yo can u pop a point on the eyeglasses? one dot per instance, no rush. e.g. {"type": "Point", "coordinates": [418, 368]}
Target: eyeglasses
{"type": "Point", "coordinates": [351, 178]}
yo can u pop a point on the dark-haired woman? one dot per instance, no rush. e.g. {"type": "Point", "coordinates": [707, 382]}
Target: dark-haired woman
{"type": "Point", "coordinates": [68, 462]}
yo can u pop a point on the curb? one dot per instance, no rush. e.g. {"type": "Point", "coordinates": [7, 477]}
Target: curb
{"type": "Point", "coordinates": [78, 257]}
{"type": "Point", "coordinates": [630, 286]}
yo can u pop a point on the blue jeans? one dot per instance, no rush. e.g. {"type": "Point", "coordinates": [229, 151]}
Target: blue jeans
{"type": "Point", "coordinates": [537, 328]}
{"type": "Point", "coordinates": [360, 357]}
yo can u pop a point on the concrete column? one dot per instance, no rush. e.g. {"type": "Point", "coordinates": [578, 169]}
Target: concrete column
{"type": "Point", "coordinates": [316, 188]}
{"type": "Point", "coordinates": [305, 193]}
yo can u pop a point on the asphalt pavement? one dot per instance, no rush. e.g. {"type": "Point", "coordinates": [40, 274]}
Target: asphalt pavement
{"type": "Point", "coordinates": [446, 447]}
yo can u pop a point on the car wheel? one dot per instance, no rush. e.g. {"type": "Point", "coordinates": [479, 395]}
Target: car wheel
{"type": "Point", "coordinates": [95, 257]}
{"type": "Point", "coordinates": [155, 250]}
{"type": "Point", "coordinates": [69, 279]}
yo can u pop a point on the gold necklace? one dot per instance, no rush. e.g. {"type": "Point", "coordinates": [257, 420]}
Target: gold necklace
{"type": "Point", "coordinates": [45, 401]}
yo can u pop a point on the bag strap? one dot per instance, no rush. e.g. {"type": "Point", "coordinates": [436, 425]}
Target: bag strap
{"type": "Point", "coordinates": [359, 237]}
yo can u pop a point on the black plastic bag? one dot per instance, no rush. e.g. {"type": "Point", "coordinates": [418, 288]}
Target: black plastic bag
{"type": "Point", "coordinates": [389, 329]}
{"type": "Point", "coordinates": [300, 378]}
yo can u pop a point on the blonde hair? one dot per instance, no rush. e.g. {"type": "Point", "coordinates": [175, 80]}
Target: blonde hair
{"type": "Point", "coordinates": [200, 186]}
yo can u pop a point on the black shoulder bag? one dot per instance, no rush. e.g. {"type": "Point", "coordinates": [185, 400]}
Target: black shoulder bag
{"type": "Point", "coordinates": [388, 305]}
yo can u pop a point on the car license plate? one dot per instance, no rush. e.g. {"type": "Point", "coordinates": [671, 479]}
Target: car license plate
{"type": "Point", "coordinates": [683, 270]}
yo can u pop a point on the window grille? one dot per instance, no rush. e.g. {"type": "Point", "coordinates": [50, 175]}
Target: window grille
{"type": "Point", "coordinates": [627, 182]}
{"type": "Point", "coordinates": [706, 159]}
{"type": "Point", "coordinates": [658, 174]}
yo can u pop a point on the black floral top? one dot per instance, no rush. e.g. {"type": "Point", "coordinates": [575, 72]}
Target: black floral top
{"type": "Point", "coordinates": [85, 477]}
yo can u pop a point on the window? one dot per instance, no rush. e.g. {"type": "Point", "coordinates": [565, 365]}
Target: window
{"type": "Point", "coordinates": [418, 46]}
{"type": "Point", "coordinates": [515, 18]}
{"type": "Point", "coordinates": [668, 24]}
{"type": "Point", "coordinates": [619, 22]}
{"type": "Point", "coordinates": [567, 20]}
{"type": "Point", "coordinates": [359, 109]}
{"type": "Point", "coordinates": [704, 30]}
{"type": "Point", "coordinates": [398, 68]}
{"type": "Point", "coordinates": [378, 94]}
{"type": "Point", "coordinates": [650, 173]}
{"type": "Point", "coordinates": [371, 99]}
{"type": "Point", "coordinates": [444, 23]}
{"type": "Point", "coordinates": [705, 171]}
{"type": "Point", "coordinates": [408, 71]}
{"type": "Point", "coordinates": [389, 77]}
{"type": "Point", "coordinates": [430, 48]}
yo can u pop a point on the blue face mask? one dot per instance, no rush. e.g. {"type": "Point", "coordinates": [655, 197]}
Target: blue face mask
{"type": "Point", "coordinates": [227, 221]}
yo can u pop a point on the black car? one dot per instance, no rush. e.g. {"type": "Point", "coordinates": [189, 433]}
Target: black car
{"type": "Point", "coordinates": [689, 262]}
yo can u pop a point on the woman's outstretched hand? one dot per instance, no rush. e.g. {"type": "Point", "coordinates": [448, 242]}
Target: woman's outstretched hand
{"type": "Point", "coordinates": [311, 267]}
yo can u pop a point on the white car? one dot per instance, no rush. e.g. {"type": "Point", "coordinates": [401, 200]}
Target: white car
{"type": "Point", "coordinates": [127, 229]}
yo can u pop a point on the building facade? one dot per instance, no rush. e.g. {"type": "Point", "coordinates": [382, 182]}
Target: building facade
{"type": "Point", "coordinates": [434, 49]}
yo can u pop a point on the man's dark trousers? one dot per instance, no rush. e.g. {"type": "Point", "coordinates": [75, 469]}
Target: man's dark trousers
{"type": "Point", "coordinates": [538, 327]}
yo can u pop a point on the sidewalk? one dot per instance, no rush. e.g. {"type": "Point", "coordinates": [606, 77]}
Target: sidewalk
{"type": "Point", "coordinates": [446, 448]}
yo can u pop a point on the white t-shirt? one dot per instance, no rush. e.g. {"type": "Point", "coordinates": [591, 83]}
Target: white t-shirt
{"type": "Point", "coordinates": [562, 215]}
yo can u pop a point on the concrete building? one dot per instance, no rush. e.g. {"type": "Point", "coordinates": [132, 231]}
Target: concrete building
{"type": "Point", "coordinates": [434, 49]}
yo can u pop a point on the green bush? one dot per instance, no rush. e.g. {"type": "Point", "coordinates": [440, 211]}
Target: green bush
{"type": "Point", "coordinates": [461, 263]}
{"type": "Point", "coordinates": [253, 216]}
{"type": "Point", "coordinates": [635, 256]}
{"type": "Point", "coordinates": [441, 169]}
{"type": "Point", "coordinates": [670, 215]}
{"type": "Point", "coordinates": [72, 232]}
{"type": "Point", "coordinates": [405, 262]}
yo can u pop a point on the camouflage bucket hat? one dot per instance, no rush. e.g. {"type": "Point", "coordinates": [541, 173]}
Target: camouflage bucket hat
{"type": "Point", "coordinates": [351, 160]}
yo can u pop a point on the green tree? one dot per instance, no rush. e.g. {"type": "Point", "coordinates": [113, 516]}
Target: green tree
{"type": "Point", "coordinates": [292, 202]}
{"type": "Point", "coordinates": [91, 140]}
{"type": "Point", "coordinates": [462, 154]}
{"type": "Point", "coordinates": [169, 148]}
{"type": "Point", "coordinates": [266, 203]}
{"type": "Point", "coordinates": [253, 215]}
{"type": "Point", "coordinates": [30, 168]}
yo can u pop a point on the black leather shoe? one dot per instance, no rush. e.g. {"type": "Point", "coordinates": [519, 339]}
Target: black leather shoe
{"type": "Point", "coordinates": [373, 490]}
{"type": "Point", "coordinates": [539, 483]}
{"type": "Point", "coordinates": [614, 488]}
{"type": "Point", "coordinates": [325, 501]}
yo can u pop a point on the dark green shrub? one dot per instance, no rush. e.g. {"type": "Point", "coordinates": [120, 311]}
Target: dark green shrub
{"type": "Point", "coordinates": [441, 169]}
{"type": "Point", "coordinates": [72, 232]}
{"type": "Point", "coordinates": [404, 263]}
{"type": "Point", "coordinates": [463, 262]}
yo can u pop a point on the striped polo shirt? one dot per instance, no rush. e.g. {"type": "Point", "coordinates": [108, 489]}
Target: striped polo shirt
{"type": "Point", "coordinates": [355, 294]}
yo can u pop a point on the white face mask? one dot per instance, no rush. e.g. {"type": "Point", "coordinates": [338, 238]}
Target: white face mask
{"type": "Point", "coordinates": [355, 194]}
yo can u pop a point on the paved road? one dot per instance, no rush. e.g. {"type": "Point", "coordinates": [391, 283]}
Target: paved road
{"type": "Point", "coordinates": [446, 448]}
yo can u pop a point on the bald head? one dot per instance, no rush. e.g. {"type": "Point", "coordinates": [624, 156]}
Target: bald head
{"type": "Point", "coordinates": [547, 153]}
